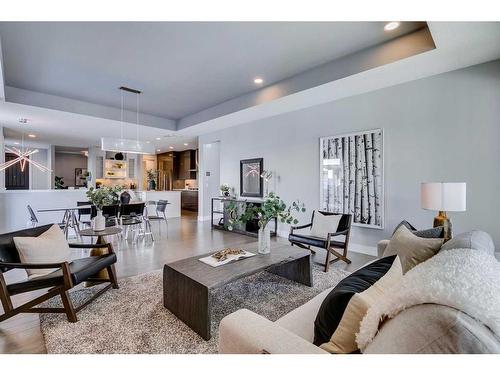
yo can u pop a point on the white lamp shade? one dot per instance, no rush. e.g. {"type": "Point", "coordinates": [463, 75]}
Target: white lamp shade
{"type": "Point", "coordinates": [443, 196]}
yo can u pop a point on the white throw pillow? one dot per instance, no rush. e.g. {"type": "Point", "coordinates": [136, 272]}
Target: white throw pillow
{"type": "Point", "coordinates": [324, 224]}
{"type": "Point", "coordinates": [49, 247]}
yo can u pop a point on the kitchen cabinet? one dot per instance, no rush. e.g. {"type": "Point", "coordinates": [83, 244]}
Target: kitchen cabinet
{"type": "Point", "coordinates": [185, 165]}
{"type": "Point", "coordinates": [189, 200]}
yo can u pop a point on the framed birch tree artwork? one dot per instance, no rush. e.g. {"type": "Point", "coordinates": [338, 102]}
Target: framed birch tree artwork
{"type": "Point", "coordinates": [351, 176]}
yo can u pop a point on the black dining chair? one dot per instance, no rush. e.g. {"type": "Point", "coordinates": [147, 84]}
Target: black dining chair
{"type": "Point", "coordinates": [83, 212]}
{"type": "Point", "coordinates": [331, 246]}
{"type": "Point", "coordinates": [125, 197]}
{"type": "Point", "coordinates": [131, 216]}
{"type": "Point", "coordinates": [110, 212]}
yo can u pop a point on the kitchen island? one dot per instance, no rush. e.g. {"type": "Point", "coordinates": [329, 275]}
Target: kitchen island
{"type": "Point", "coordinates": [14, 213]}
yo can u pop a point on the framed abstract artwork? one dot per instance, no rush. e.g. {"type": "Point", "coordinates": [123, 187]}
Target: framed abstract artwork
{"type": "Point", "coordinates": [251, 181]}
{"type": "Point", "coordinates": [352, 176]}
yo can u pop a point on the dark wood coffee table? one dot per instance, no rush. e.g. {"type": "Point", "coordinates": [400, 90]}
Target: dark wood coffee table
{"type": "Point", "coordinates": [187, 283]}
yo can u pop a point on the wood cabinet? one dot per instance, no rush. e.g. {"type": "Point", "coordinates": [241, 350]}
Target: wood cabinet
{"type": "Point", "coordinates": [185, 165]}
{"type": "Point", "coordinates": [189, 200]}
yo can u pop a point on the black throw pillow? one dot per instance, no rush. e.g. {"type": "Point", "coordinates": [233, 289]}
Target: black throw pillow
{"type": "Point", "coordinates": [333, 306]}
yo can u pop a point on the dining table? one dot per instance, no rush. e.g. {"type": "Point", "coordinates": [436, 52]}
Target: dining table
{"type": "Point", "coordinates": [70, 219]}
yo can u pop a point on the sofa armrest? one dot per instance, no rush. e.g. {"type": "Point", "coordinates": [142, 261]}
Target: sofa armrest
{"type": "Point", "coordinates": [245, 332]}
{"type": "Point", "coordinates": [381, 247]}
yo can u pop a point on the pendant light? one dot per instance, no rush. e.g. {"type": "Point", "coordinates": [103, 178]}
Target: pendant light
{"type": "Point", "coordinates": [23, 155]}
{"type": "Point", "coordinates": [131, 146]}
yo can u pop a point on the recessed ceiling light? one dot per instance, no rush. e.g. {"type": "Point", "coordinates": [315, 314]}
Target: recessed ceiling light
{"type": "Point", "coordinates": [148, 142]}
{"type": "Point", "coordinates": [16, 143]}
{"type": "Point", "coordinates": [171, 147]}
{"type": "Point", "coordinates": [185, 144]}
{"type": "Point", "coordinates": [158, 138]}
{"type": "Point", "coordinates": [32, 135]}
{"type": "Point", "coordinates": [391, 25]}
{"type": "Point", "coordinates": [258, 81]}
{"type": "Point", "coordinates": [158, 149]}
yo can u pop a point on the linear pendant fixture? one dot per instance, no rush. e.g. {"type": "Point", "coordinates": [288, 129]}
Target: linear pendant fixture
{"type": "Point", "coordinates": [131, 146]}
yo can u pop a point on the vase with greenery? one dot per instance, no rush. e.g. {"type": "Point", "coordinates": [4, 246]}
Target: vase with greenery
{"type": "Point", "coordinates": [101, 197]}
{"type": "Point", "coordinates": [272, 207]}
{"type": "Point", "coordinates": [225, 190]}
{"type": "Point", "coordinates": [151, 178]}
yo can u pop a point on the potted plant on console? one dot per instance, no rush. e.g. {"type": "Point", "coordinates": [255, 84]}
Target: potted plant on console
{"type": "Point", "coordinates": [272, 207]}
{"type": "Point", "coordinates": [151, 177]}
{"type": "Point", "coordinates": [101, 197]}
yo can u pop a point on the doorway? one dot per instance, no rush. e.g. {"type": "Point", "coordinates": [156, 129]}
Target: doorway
{"type": "Point", "coordinates": [210, 177]}
{"type": "Point", "coordinates": [15, 177]}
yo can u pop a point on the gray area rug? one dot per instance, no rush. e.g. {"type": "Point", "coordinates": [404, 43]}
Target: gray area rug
{"type": "Point", "coordinates": [133, 319]}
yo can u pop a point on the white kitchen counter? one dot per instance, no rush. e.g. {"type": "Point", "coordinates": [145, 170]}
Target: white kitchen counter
{"type": "Point", "coordinates": [14, 214]}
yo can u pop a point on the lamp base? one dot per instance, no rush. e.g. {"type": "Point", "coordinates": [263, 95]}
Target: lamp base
{"type": "Point", "coordinates": [441, 220]}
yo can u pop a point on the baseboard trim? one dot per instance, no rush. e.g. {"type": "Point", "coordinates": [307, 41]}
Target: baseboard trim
{"type": "Point", "coordinates": [354, 247]}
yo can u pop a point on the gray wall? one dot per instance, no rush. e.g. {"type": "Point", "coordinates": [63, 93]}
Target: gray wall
{"type": "Point", "coordinates": [442, 128]}
{"type": "Point", "coordinates": [65, 165]}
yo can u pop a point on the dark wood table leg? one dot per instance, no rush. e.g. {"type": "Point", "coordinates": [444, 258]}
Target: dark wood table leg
{"type": "Point", "coordinates": [298, 270]}
{"type": "Point", "coordinates": [188, 300]}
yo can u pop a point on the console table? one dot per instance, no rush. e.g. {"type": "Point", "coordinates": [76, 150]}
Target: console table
{"type": "Point", "coordinates": [249, 229]}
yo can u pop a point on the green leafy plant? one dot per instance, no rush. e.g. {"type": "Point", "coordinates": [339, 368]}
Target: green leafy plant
{"type": "Point", "coordinates": [58, 182]}
{"type": "Point", "coordinates": [151, 175]}
{"type": "Point", "coordinates": [272, 207]}
{"type": "Point", "coordinates": [104, 196]}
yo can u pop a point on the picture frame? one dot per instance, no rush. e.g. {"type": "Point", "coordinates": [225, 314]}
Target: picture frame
{"type": "Point", "coordinates": [81, 177]}
{"type": "Point", "coordinates": [251, 181]}
{"type": "Point", "coordinates": [352, 176]}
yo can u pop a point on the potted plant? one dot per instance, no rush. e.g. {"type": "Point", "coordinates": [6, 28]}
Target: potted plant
{"type": "Point", "coordinates": [225, 190]}
{"type": "Point", "coordinates": [151, 178]}
{"type": "Point", "coordinates": [104, 196]}
{"type": "Point", "coordinates": [272, 207]}
{"type": "Point", "coordinates": [58, 182]}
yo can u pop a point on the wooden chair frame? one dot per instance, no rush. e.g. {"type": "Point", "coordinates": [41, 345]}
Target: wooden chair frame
{"type": "Point", "coordinates": [330, 248]}
{"type": "Point", "coordinates": [62, 289]}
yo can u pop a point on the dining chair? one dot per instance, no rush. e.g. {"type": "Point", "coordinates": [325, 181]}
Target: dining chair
{"type": "Point", "coordinates": [83, 212]}
{"type": "Point", "coordinates": [132, 213]}
{"type": "Point", "coordinates": [160, 216]}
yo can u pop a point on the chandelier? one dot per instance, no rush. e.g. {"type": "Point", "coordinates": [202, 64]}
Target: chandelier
{"type": "Point", "coordinates": [23, 155]}
{"type": "Point", "coordinates": [133, 146]}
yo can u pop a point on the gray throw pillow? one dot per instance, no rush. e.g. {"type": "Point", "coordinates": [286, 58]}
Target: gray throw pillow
{"type": "Point", "coordinates": [412, 249]}
{"type": "Point", "coordinates": [436, 232]}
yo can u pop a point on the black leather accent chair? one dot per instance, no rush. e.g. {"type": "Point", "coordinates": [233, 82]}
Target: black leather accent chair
{"type": "Point", "coordinates": [329, 244]}
{"type": "Point", "coordinates": [65, 276]}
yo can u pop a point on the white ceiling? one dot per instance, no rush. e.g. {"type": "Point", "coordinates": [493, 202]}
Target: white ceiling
{"type": "Point", "coordinates": [182, 67]}
{"type": "Point", "coordinates": [458, 45]}
{"type": "Point", "coordinates": [69, 129]}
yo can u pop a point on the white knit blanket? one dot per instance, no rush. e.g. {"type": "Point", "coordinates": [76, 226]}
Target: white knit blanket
{"type": "Point", "coordinates": [465, 279]}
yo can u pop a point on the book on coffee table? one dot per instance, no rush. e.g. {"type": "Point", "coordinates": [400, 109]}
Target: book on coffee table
{"type": "Point", "coordinates": [211, 261]}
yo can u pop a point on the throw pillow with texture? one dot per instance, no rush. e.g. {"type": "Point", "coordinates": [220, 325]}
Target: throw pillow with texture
{"type": "Point", "coordinates": [50, 247]}
{"type": "Point", "coordinates": [412, 249]}
{"type": "Point", "coordinates": [324, 224]}
{"type": "Point", "coordinates": [437, 232]}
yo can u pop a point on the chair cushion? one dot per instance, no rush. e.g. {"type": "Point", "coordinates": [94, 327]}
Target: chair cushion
{"type": "Point", "coordinates": [49, 247]}
{"type": "Point", "coordinates": [314, 241]}
{"type": "Point", "coordinates": [81, 270]}
{"type": "Point", "coordinates": [412, 249]}
{"type": "Point", "coordinates": [323, 224]}
{"type": "Point", "coordinates": [339, 317]}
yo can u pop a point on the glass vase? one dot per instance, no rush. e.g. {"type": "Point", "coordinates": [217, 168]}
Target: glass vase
{"type": "Point", "coordinates": [264, 240]}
